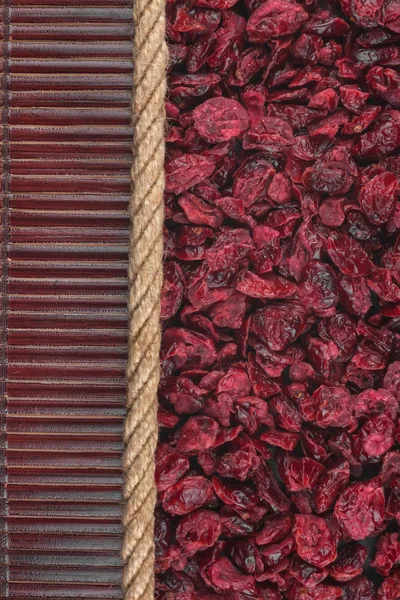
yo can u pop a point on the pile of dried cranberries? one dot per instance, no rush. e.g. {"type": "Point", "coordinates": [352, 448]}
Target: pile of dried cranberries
{"type": "Point", "coordinates": [278, 465]}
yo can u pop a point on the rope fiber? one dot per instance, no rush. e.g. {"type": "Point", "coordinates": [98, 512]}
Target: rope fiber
{"type": "Point", "coordinates": [145, 281]}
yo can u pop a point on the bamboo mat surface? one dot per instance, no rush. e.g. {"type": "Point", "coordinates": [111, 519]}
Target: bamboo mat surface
{"type": "Point", "coordinates": [66, 155]}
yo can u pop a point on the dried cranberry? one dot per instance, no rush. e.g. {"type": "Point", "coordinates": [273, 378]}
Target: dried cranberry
{"type": "Point", "coordinates": [314, 541]}
{"type": "Point", "coordinates": [274, 19]}
{"type": "Point", "coordinates": [220, 119]}
{"type": "Point", "coordinates": [360, 508]}
{"type": "Point", "coordinates": [198, 530]}
{"type": "Point", "coordinates": [349, 562]}
{"type": "Point", "coordinates": [387, 553]}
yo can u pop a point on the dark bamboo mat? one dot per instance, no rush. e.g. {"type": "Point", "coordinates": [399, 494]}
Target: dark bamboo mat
{"type": "Point", "coordinates": [66, 154]}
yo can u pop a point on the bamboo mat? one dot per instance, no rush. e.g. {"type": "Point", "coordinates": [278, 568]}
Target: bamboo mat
{"type": "Point", "coordinates": [66, 155]}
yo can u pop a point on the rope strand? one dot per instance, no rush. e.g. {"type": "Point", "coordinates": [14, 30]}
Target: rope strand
{"type": "Point", "coordinates": [145, 280]}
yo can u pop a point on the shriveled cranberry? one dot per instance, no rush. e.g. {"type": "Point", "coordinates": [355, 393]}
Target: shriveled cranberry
{"type": "Point", "coordinates": [187, 495]}
{"type": "Point", "coordinates": [220, 119]}
{"type": "Point", "coordinates": [198, 433]}
{"type": "Point", "coordinates": [314, 540]}
{"type": "Point", "coordinates": [305, 573]}
{"type": "Point", "coordinates": [330, 485]}
{"type": "Point", "coordinates": [348, 255]}
{"type": "Point", "coordinates": [186, 171]}
{"type": "Point", "coordinates": [170, 466]}
{"type": "Point", "coordinates": [223, 576]}
{"type": "Point", "coordinates": [378, 197]}
{"type": "Point", "coordinates": [360, 508]}
{"type": "Point", "coordinates": [334, 406]}
{"type": "Point", "coordinates": [318, 289]}
{"type": "Point", "coordinates": [387, 553]}
{"type": "Point", "coordinates": [274, 529]}
{"type": "Point", "coordinates": [349, 562]}
{"type": "Point", "coordinates": [198, 530]}
{"type": "Point", "coordinates": [274, 553]}
{"type": "Point", "coordinates": [275, 19]}
{"type": "Point", "coordinates": [299, 473]}
{"type": "Point", "coordinates": [280, 324]}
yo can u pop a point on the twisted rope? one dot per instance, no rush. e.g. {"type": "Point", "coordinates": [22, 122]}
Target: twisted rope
{"type": "Point", "coordinates": [145, 279]}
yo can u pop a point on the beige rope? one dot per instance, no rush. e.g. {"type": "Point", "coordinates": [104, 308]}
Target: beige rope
{"type": "Point", "coordinates": [145, 280]}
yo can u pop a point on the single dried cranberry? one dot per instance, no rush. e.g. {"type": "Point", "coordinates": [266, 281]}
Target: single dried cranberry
{"type": "Point", "coordinates": [314, 541]}
{"type": "Point", "coordinates": [274, 553]}
{"type": "Point", "coordinates": [299, 473]}
{"type": "Point", "coordinates": [220, 119]}
{"type": "Point", "coordinates": [348, 255]}
{"type": "Point", "coordinates": [186, 171]}
{"type": "Point", "coordinates": [198, 531]}
{"type": "Point", "coordinates": [387, 553]}
{"type": "Point", "coordinates": [349, 562]}
{"type": "Point", "coordinates": [223, 576]}
{"type": "Point", "coordinates": [198, 433]}
{"type": "Point", "coordinates": [378, 197]}
{"type": "Point", "coordinates": [334, 406]}
{"type": "Point", "coordinates": [330, 485]}
{"type": "Point", "coordinates": [318, 289]}
{"type": "Point", "coordinates": [275, 19]}
{"type": "Point", "coordinates": [279, 325]}
{"type": "Point", "coordinates": [187, 495]}
{"type": "Point", "coordinates": [271, 135]}
{"type": "Point", "coordinates": [360, 508]}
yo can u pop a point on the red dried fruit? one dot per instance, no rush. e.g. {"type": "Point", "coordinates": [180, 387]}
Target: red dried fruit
{"type": "Point", "coordinates": [317, 290]}
{"type": "Point", "coordinates": [349, 562]}
{"type": "Point", "coordinates": [314, 540]}
{"type": "Point", "coordinates": [319, 592]}
{"type": "Point", "coordinates": [271, 135]}
{"type": "Point", "coordinates": [229, 249]}
{"type": "Point", "coordinates": [172, 292]}
{"type": "Point", "coordinates": [391, 381]}
{"type": "Point", "coordinates": [299, 473]}
{"type": "Point", "coordinates": [280, 387]}
{"type": "Point", "coordinates": [274, 553]}
{"type": "Point", "coordinates": [306, 574]}
{"type": "Point", "coordinates": [220, 119]}
{"type": "Point", "coordinates": [330, 485]}
{"type": "Point", "coordinates": [360, 588]}
{"type": "Point", "coordinates": [274, 529]}
{"type": "Point", "coordinates": [360, 508]}
{"type": "Point", "coordinates": [187, 495]}
{"type": "Point", "coordinates": [387, 553]}
{"type": "Point", "coordinates": [198, 433]}
{"type": "Point", "coordinates": [279, 325]}
{"type": "Point", "coordinates": [198, 531]}
{"type": "Point", "coordinates": [333, 174]}
{"type": "Point", "coordinates": [275, 18]}
{"type": "Point", "coordinates": [251, 180]}
{"type": "Point", "coordinates": [186, 171]}
{"type": "Point", "coordinates": [331, 212]}
{"type": "Point", "coordinates": [348, 255]}
{"type": "Point", "coordinates": [282, 439]}
{"type": "Point", "coordinates": [224, 577]}
{"type": "Point", "coordinates": [269, 491]}
{"type": "Point", "coordinates": [170, 466]}
{"type": "Point", "coordinates": [267, 286]}
{"type": "Point", "coordinates": [333, 406]}
{"type": "Point", "coordinates": [374, 438]}
{"type": "Point", "coordinates": [378, 197]}
{"type": "Point", "coordinates": [354, 295]}
{"type": "Point", "coordinates": [390, 588]}
{"type": "Point", "coordinates": [199, 212]}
